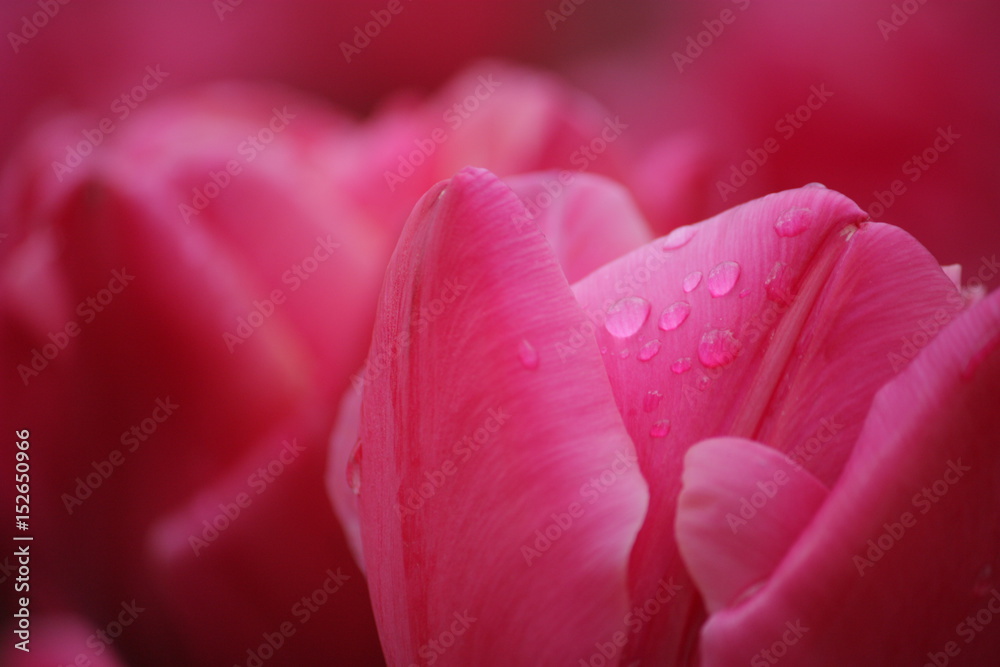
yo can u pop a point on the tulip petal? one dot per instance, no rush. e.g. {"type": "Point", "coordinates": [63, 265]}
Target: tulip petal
{"type": "Point", "coordinates": [861, 333]}
{"type": "Point", "coordinates": [523, 119]}
{"type": "Point", "coordinates": [342, 445]}
{"type": "Point", "coordinates": [499, 492]}
{"type": "Point", "coordinates": [742, 506]}
{"type": "Point", "coordinates": [900, 564]}
{"type": "Point", "coordinates": [774, 321]}
{"type": "Point", "coordinates": [589, 220]}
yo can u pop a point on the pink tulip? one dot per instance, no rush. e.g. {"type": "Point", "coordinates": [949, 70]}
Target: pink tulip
{"type": "Point", "coordinates": [546, 473]}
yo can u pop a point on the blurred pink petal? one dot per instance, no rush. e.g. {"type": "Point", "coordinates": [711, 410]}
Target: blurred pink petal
{"type": "Point", "coordinates": [903, 123]}
{"type": "Point", "coordinates": [588, 220]}
{"type": "Point", "coordinates": [207, 335]}
{"type": "Point", "coordinates": [351, 52]}
{"type": "Point", "coordinates": [65, 639]}
{"type": "Point", "coordinates": [260, 548]}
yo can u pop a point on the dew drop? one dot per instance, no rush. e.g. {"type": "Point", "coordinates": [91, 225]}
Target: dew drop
{"type": "Point", "coordinates": [649, 350]}
{"type": "Point", "coordinates": [745, 293]}
{"type": "Point", "coordinates": [626, 316]}
{"type": "Point", "coordinates": [624, 353]}
{"type": "Point", "coordinates": [528, 355]}
{"type": "Point", "coordinates": [703, 382]}
{"type": "Point", "coordinates": [354, 468]}
{"type": "Point", "coordinates": [674, 315]}
{"type": "Point", "coordinates": [679, 237]}
{"type": "Point", "coordinates": [793, 222]}
{"type": "Point", "coordinates": [660, 429]}
{"type": "Point", "coordinates": [651, 400]}
{"type": "Point", "coordinates": [814, 184]}
{"type": "Point", "coordinates": [718, 347]}
{"type": "Point", "coordinates": [682, 365]}
{"type": "Point", "coordinates": [692, 280]}
{"type": "Point", "coordinates": [604, 349]}
{"type": "Point", "coordinates": [774, 284]}
{"type": "Point", "coordinates": [722, 278]}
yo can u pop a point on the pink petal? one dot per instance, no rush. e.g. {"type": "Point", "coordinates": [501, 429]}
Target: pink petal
{"type": "Point", "coordinates": [901, 560]}
{"type": "Point", "coordinates": [587, 219]}
{"type": "Point", "coordinates": [478, 439]}
{"type": "Point", "coordinates": [742, 506]}
{"type": "Point", "coordinates": [343, 446]}
{"type": "Point", "coordinates": [516, 120]}
{"type": "Point", "coordinates": [790, 327]}
{"type": "Point", "coordinates": [861, 332]}
{"type": "Point", "coordinates": [673, 180]}
{"type": "Point", "coordinates": [163, 338]}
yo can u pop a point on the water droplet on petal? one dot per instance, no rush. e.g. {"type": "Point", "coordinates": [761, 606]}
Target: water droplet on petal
{"type": "Point", "coordinates": [679, 237]}
{"type": "Point", "coordinates": [528, 355]}
{"type": "Point", "coordinates": [626, 316]}
{"type": "Point", "coordinates": [692, 280]}
{"type": "Point", "coordinates": [649, 350]}
{"type": "Point", "coordinates": [674, 315]}
{"type": "Point", "coordinates": [660, 429]}
{"type": "Point", "coordinates": [604, 349]}
{"type": "Point", "coordinates": [354, 468]}
{"type": "Point", "coordinates": [703, 382]}
{"type": "Point", "coordinates": [793, 222]}
{"type": "Point", "coordinates": [722, 278]}
{"type": "Point", "coordinates": [624, 353]}
{"type": "Point", "coordinates": [718, 347]}
{"type": "Point", "coordinates": [744, 293]}
{"type": "Point", "coordinates": [682, 365]}
{"type": "Point", "coordinates": [849, 231]}
{"type": "Point", "coordinates": [775, 285]}
{"type": "Point", "coordinates": [814, 185]}
{"type": "Point", "coordinates": [651, 400]}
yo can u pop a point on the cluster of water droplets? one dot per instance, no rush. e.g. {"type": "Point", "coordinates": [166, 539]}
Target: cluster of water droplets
{"type": "Point", "coordinates": [717, 347]}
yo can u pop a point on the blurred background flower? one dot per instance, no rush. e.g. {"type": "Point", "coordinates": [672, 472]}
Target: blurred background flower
{"type": "Point", "coordinates": [892, 103]}
{"type": "Point", "coordinates": [219, 150]}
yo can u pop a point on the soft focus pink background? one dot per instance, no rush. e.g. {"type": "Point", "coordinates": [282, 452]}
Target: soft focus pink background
{"type": "Point", "coordinates": [689, 126]}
